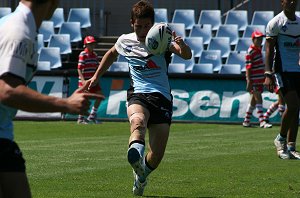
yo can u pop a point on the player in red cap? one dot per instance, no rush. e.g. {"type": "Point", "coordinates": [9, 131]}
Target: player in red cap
{"type": "Point", "coordinates": [87, 65]}
{"type": "Point", "coordinates": [255, 79]}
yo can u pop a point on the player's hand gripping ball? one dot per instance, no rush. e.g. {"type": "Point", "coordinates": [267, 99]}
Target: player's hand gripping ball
{"type": "Point", "coordinates": [158, 38]}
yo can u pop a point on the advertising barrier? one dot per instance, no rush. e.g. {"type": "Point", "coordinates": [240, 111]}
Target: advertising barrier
{"type": "Point", "coordinates": [194, 100]}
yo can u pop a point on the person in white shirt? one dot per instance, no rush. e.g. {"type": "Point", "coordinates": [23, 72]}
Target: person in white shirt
{"type": "Point", "coordinates": [18, 55]}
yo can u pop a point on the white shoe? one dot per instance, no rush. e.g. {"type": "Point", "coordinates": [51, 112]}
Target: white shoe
{"type": "Point", "coordinates": [265, 125]}
{"type": "Point", "coordinates": [81, 122]}
{"type": "Point", "coordinates": [246, 124]}
{"type": "Point", "coordinates": [281, 149]}
{"type": "Point", "coordinates": [294, 155]}
{"type": "Point", "coordinates": [136, 161]}
{"type": "Point", "coordinates": [138, 187]}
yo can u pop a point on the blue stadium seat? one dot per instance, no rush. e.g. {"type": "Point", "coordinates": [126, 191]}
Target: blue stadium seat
{"type": "Point", "coordinates": [47, 29]}
{"type": "Point", "coordinates": [188, 63]}
{"type": "Point", "coordinates": [239, 17]}
{"type": "Point", "coordinates": [72, 28]}
{"type": "Point", "coordinates": [43, 66]}
{"type": "Point", "coordinates": [161, 15]}
{"type": "Point", "coordinates": [196, 44]}
{"type": "Point", "coordinates": [251, 28]}
{"type": "Point", "coordinates": [179, 28]}
{"type": "Point", "coordinates": [58, 17]}
{"type": "Point", "coordinates": [243, 44]}
{"type": "Point", "coordinates": [203, 31]}
{"type": "Point", "coordinates": [52, 55]}
{"type": "Point", "coordinates": [230, 69]}
{"type": "Point", "coordinates": [81, 15]}
{"type": "Point", "coordinates": [220, 43]}
{"type": "Point", "coordinates": [229, 30]}
{"type": "Point", "coordinates": [4, 11]}
{"type": "Point", "coordinates": [237, 58]}
{"type": "Point", "coordinates": [213, 57]}
{"type": "Point", "coordinates": [261, 17]}
{"type": "Point", "coordinates": [186, 16]}
{"type": "Point", "coordinates": [297, 13]}
{"type": "Point", "coordinates": [40, 41]}
{"type": "Point", "coordinates": [212, 17]}
{"type": "Point", "coordinates": [176, 68]}
{"type": "Point", "coordinates": [62, 41]}
{"type": "Point", "coordinates": [204, 68]}
{"type": "Point", "coordinates": [119, 67]}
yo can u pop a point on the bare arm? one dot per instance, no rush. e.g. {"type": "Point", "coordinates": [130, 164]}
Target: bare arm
{"type": "Point", "coordinates": [81, 76]}
{"type": "Point", "coordinates": [109, 57]}
{"type": "Point", "coordinates": [14, 94]}
{"type": "Point", "coordinates": [181, 48]}
{"type": "Point", "coordinates": [270, 45]}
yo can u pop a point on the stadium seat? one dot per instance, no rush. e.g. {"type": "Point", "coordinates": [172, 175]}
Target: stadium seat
{"type": "Point", "coordinates": [40, 41]}
{"type": "Point", "coordinates": [186, 16]}
{"type": "Point", "coordinates": [179, 28]}
{"type": "Point", "coordinates": [238, 17]}
{"type": "Point", "coordinates": [4, 11]}
{"type": "Point", "coordinates": [203, 31]}
{"type": "Point", "coordinates": [52, 55]}
{"type": "Point", "coordinates": [261, 17]}
{"type": "Point", "coordinates": [46, 29]}
{"type": "Point", "coordinates": [161, 15]}
{"type": "Point", "coordinates": [81, 15]}
{"type": "Point", "coordinates": [213, 57]}
{"type": "Point", "coordinates": [237, 58]}
{"type": "Point", "coordinates": [212, 17]}
{"type": "Point", "coordinates": [188, 63]}
{"type": "Point", "coordinates": [220, 43]}
{"type": "Point", "coordinates": [204, 68]}
{"type": "Point", "coordinates": [58, 17]}
{"type": "Point", "coordinates": [196, 44]}
{"type": "Point", "coordinates": [297, 13]}
{"type": "Point", "coordinates": [43, 66]}
{"type": "Point", "coordinates": [229, 30]}
{"type": "Point", "coordinates": [243, 44]}
{"type": "Point", "coordinates": [230, 69]}
{"type": "Point", "coordinates": [119, 67]}
{"type": "Point", "coordinates": [72, 28]}
{"type": "Point", "coordinates": [62, 41]}
{"type": "Point", "coordinates": [176, 68]}
{"type": "Point", "coordinates": [251, 28]}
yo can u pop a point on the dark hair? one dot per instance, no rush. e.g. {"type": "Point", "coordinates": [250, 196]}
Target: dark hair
{"type": "Point", "coordinates": [40, 1]}
{"type": "Point", "coordinates": [142, 9]}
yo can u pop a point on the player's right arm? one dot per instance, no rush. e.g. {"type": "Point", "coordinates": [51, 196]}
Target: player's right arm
{"type": "Point", "coordinates": [109, 57]}
{"type": "Point", "coordinates": [14, 93]}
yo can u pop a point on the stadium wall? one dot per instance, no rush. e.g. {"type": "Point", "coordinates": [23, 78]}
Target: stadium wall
{"type": "Point", "coordinates": [111, 17]}
{"type": "Point", "coordinates": [197, 98]}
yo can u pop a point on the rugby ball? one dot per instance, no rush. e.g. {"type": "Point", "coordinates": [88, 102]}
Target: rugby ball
{"type": "Point", "coordinates": [158, 38]}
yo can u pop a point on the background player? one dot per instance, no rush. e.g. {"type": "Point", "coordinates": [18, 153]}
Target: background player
{"type": "Point", "coordinates": [87, 65]}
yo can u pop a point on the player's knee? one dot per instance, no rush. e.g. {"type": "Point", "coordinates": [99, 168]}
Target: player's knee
{"type": "Point", "coordinates": [137, 122]}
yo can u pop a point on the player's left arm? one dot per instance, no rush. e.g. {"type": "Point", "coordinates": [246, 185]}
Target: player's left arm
{"type": "Point", "coordinates": [180, 48]}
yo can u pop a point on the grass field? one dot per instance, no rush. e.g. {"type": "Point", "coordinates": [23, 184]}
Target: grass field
{"type": "Point", "coordinates": [66, 160]}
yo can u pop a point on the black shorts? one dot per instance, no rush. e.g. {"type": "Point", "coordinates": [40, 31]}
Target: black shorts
{"type": "Point", "coordinates": [11, 158]}
{"type": "Point", "coordinates": [160, 107]}
{"type": "Point", "coordinates": [288, 81]}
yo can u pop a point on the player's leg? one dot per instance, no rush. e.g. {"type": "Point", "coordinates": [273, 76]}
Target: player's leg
{"type": "Point", "coordinates": [249, 112]}
{"type": "Point", "coordinates": [138, 117]}
{"type": "Point", "coordinates": [281, 104]}
{"type": "Point", "coordinates": [14, 185]}
{"type": "Point", "coordinates": [272, 108]}
{"type": "Point", "coordinates": [93, 114]}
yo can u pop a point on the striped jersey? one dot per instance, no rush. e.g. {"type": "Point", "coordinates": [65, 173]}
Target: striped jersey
{"type": "Point", "coordinates": [255, 63]}
{"type": "Point", "coordinates": [88, 63]}
{"type": "Point", "coordinates": [287, 33]}
{"type": "Point", "coordinates": [148, 73]}
{"type": "Point", "coordinates": [18, 56]}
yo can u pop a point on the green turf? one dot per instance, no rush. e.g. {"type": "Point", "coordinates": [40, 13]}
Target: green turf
{"type": "Point", "coordinates": [66, 160]}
